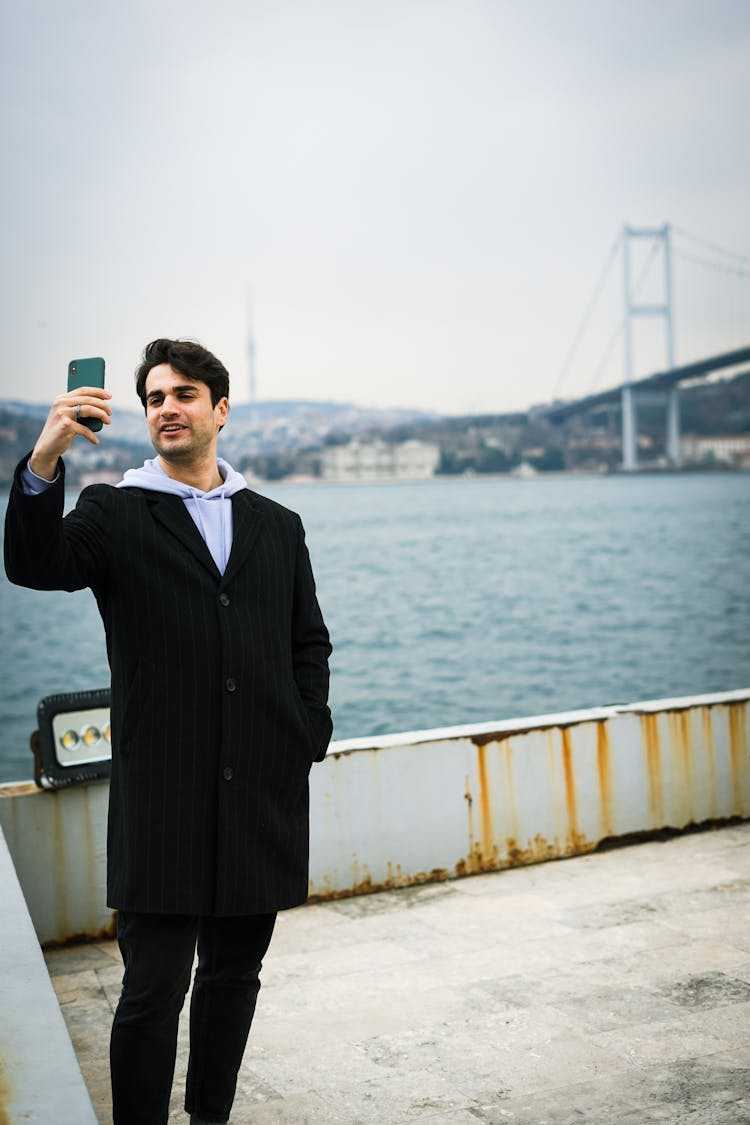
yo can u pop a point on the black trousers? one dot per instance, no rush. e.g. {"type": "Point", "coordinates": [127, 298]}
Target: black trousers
{"type": "Point", "coordinates": [157, 952]}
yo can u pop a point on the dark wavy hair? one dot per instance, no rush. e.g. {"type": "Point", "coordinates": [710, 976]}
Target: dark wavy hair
{"type": "Point", "coordinates": [190, 359]}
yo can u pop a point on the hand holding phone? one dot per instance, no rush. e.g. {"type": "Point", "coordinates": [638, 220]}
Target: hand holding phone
{"type": "Point", "coordinates": [87, 373]}
{"type": "Point", "coordinates": [66, 419]}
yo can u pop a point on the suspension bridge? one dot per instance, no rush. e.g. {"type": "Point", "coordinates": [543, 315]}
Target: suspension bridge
{"type": "Point", "coordinates": [724, 311]}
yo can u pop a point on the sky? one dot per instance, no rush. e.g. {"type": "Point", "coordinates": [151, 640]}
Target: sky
{"type": "Point", "coordinates": [412, 202]}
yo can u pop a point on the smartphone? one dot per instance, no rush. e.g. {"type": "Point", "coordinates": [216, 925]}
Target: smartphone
{"type": "Point", "coordinates": [87, 373]}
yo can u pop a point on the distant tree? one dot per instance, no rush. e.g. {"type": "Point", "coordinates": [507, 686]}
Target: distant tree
{"type": "Point", "coordinates": [490, 459]}
{"type": "Point", "coordinates": [451, 463]}
{"type": "Point", "coordinates": [552, 460]}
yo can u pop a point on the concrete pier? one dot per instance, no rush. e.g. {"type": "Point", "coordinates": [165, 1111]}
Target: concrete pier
{"type": "Point", "coordinates": [610, 988]}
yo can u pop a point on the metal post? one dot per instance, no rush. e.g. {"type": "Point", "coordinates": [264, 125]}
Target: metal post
{"type": "Point", "coordinates": [629, 451]}
{"type": "Point", "coordinates": [674, 454]}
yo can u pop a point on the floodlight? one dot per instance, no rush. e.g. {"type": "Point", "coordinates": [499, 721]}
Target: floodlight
{"type": "Point", "coordinates": [73, 743]}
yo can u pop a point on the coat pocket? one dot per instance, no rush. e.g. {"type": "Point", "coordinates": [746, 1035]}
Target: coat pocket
{"type": "Point", "coordinates": [305, 723]}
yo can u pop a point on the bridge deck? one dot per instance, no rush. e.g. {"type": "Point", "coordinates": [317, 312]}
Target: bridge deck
{"type": "Point", "coordinates": [660, 380]}
{"type": "Point", "coordinates": [612, 988]}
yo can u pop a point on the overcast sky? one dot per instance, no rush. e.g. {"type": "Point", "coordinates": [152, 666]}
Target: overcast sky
{"type": "Point", "coordinates": [416, 197]}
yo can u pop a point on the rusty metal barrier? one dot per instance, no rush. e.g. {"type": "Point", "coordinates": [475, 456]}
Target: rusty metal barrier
{"type": "Point", "coordinates": [426, 805]}
{"type": "Point", "coordinates": [429, 805]}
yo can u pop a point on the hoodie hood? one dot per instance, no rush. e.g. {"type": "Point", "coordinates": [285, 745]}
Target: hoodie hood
{"type": "Point", "coordinates": [152, 476]}
{"type": "Point", "coordinates": [211, 512]}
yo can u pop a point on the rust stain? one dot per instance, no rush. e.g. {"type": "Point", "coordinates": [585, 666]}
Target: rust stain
{"type": "Point", "coordinates": [498, 735]}
{"type": "Point", "coordinates": [334, 755]}
{"type": "Point", "coordinates": [18, 789]}
{"type": "Point", "coordinates": [106, 933]}
{"type": "Point", "coordinates": [604, 770]}
{"type": "Point", "coordinates": [709, 751]}
{"type": "Point", "coordinates": [368, 886]}
{"type": "Point", "coordinates": [537, 850]}
{"type": "Point", "coordinates": [483, 853]}
{"type": "Point", "coordinates": [395, 875]}
{"type": "Point", "coordinates": [485, 806]}
{"type": "Point", "coordinates": [510, 818]}
{"type": "Point", "coordinates": [682, 755]}
{"type": "Point", "coordinates": [485, 738]}
{"type": "Point", "coordinates": [470, 814]}
{"type": "Point", "coordinates": [6, 1090]}
{"type": "Point", "coordinates": [650, 739]}
{"type": "Point", "coordinates": [516, 855]}
{"type": "Point", "coordinates": [571, 801]}
{"type": "Point", "coordinates": [738, 755]}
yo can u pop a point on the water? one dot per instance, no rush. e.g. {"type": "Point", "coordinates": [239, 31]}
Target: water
{"type": "Point", "coordinates": [454, 601]}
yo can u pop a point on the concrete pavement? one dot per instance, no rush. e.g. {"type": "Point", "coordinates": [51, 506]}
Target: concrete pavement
{"type": "Point", "coordinates": [612, 988]}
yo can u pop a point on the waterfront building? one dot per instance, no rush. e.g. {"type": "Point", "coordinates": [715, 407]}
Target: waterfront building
{"type": "Point", "coordinates": [732, 449]}
{"type": "Point", "coordinates": [379, 460]}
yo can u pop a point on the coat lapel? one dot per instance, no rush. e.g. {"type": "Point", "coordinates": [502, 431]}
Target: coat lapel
{"type": "Point", "coordinates": [171, 512]}
{"type": "Point", "coordinates": [246, 523]}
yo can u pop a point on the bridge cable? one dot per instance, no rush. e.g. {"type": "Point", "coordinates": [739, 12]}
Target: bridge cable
{"type": "Point", "coordinates": [587, 315]}
{"type": "Point", "coordinates": [729, 264]}
{"type": "Point", "coordinates": [708, 264]}
{"type": "Point", "coordinates": [744, 258]}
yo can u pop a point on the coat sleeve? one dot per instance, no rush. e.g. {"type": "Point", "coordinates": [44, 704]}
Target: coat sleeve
{"type": "Point", "coordinates": [311, 648]}
{"type": "Point", "coordinates": [46, 551]}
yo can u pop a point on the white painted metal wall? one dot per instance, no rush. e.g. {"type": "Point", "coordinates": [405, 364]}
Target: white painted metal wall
{"type": "Point", "coordinates": [437, 804]}
{"type": "Point", "coordinates": [40, 1079]}
{"type": "Point", "coordinates": [426, 805]}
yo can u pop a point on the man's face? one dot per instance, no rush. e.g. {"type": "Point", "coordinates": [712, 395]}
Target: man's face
{"type": "Point", "coordinates": [182, 423]}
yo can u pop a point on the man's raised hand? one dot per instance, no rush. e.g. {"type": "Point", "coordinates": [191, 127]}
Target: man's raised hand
{"type": "Point", "coordinates": [63, 425]}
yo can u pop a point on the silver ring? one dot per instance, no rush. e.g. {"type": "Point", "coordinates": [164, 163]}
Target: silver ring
{"type": "Point", "coordinates": [78, 412]}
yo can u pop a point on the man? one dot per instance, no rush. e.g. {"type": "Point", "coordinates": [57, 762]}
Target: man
{"type": "Point", "coordinates": [219, 662]}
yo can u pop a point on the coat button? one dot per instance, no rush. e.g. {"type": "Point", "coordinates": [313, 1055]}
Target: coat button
{"type": "Point", "coordinates": [224, 599]}
{"type": "Point", "coordinates": [228, 773]}
{"type": "Point", "coordinates": [231, 684]}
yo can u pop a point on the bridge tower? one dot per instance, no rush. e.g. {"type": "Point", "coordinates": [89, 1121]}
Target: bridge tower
{"type": "Point", "coordinates": [633, 309]}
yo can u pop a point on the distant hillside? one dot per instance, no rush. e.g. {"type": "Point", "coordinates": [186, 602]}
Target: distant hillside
{"type": "Point", "coordinates": [277, 438]}
{"type": "Point", "coordinates": [255, 430]}
{"type": "Point", "coordinates": [717, 408]}
{"type": "Point", "coordinates": [250, 412]}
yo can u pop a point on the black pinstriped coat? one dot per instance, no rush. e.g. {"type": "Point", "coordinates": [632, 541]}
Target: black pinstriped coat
{"type": "Point", "coordinates": [219, 690]}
